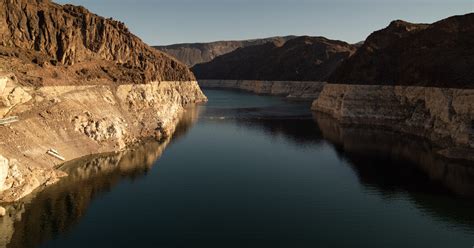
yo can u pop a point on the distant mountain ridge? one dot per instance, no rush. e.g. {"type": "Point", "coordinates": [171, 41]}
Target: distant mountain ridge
{"type": "Point", "coordinates": [196, 53]}
{"type": "Point", "coordinates": [303, 58]}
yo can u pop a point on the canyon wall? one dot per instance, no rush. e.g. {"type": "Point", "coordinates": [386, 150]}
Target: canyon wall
{"type": "Point", "coordinates": [302, 90]}
{"type": "Point", "coordinates": [414, 78]}
{"type": "Point", "coordinates": [83, 120]}
{"type": "Point", "coordinates": [46, 33]}
{"type": "Point", "coordinates": [296, 69]}
{"type": "Point", "coordinates": [443, 115]}
{"type": "Point", "coordinates": [72, 84]}
{"type": "Point", "coordinates": [88, 178]}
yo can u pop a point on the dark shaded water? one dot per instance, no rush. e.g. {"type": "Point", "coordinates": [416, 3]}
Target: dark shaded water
{"type": "Point", "coordinates": [256, 171]}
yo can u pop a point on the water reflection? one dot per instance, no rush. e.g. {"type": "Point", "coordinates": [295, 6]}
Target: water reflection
{"type": "Point", "coordinates": [388, 165]}
{"type": "Point", "coordinates": [392, 165]}
{"type": "Point", "coordinates": [49, 213]}
{"type": "Point", "coordinates": [300, 132]}
{"type": "Point", "coordinates": [389, 161]}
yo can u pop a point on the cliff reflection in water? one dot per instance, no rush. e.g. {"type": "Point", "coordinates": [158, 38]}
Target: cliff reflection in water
{"type": "Point", "coordinates": [392, 165]}
{"type": "Point", "coordinates": [55, 210]}
{"type": "Point", "coordinates": [384, 160]}
{"type": "Point", "coordinates": [387, 163]}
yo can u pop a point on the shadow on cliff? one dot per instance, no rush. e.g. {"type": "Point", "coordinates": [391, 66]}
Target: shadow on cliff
{"type": "Point", "coordinates": [49, 213]}
{"type": "Point", "coordinates": [391, 165]}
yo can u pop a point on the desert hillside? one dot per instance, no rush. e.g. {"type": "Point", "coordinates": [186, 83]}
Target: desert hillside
{"type": "Point", "coordinates": [47, 43]}
{"type": "Point", "coordinates": [301, 59]}
{"type": "Point", "coordinates": [439, 54]}
{"type": "Point", "coordinates": [196, 53]}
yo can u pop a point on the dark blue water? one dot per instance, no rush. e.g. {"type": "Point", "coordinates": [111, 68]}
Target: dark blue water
{"type": "Point", "coordinates": [257, 171]}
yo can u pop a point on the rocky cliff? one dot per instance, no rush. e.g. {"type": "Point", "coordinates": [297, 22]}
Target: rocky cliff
{"type": "Point", "coordinates": [88, 178]}
{"type": "Point", "coordinates": [443, 115]}
{"type": "Point", "coordinates": [78, 84]}
{"type": "Point", "coordinates": [300, 59]}
{"type": "Point", "coordinates": [197, 53]}
{"type": "Point", "coordinates": [413, 78]}
{"type": "Point", "coordinates": [83, 45]}
{"type": "Point", "coordinates": [438, 55]}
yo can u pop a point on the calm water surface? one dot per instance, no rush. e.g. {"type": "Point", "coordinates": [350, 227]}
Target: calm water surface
{"type": "Point", "coordinates": [255, 171]}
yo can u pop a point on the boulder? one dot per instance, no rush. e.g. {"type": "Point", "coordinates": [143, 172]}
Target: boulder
{"type": "Point", "coordinates": [3, 171]}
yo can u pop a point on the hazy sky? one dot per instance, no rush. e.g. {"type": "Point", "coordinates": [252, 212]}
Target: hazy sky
{"type": "Point", "coordinates": [160, 22]}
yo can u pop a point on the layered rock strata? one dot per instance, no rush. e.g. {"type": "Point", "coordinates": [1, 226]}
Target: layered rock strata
{"type": "Point", "coordinates": [414, 78]}
{"type": "Point", "coordinates": [82, 120]}
{"type": "Point", "coordinates": [88, 177]}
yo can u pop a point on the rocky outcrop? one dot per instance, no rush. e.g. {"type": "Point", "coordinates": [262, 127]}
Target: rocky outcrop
{"type": "Point", "coordinates": [302, 90]}
{"type": "Point", "coordinates": [88, 177]}
{"type": "Point", "coordinates": [443, 115]}
{"type": "Point", "coordinates": [11, 93]}
{"type": "Point", "coordinates": [44, 33]}
{"type": "Point", "coordinates": [437, 55]}
{"type": "Point", "coordinates": [4, 166]}
{"type": "Point", "coordinates": [83, 120]}
{"type": "Point", "coordinates": [78, 84]}
{"type": "Point", "coordinates": [197, 53]}
{"type": "Point", "coordinates": [413, 78]}
{"type": "Point", "coordinates": [300, 59]}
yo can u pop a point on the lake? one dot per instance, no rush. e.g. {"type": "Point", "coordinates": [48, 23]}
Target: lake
{"type": "Point", "coordinates": [255, 171]}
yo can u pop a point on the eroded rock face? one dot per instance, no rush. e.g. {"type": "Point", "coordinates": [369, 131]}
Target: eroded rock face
{"type": "Point", "coordinates": [79, 84]}
{"type": "Point", "coordinates": [83, 120]}
{"type": "Point", "coordinates": [11, 93]}
{"type": "Point", "coordinates": [440, 114]}
{"type": "Point", "coordinates": [101, 130]}
{"type": "Point", "coordinates": [48, 35]}
{"type": "Point", "coordinates": [3, 171]}
{"type": "Point", "coordinates": [414, 78]}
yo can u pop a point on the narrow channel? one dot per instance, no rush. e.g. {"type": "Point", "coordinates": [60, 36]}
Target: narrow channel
{"type": "Point", "coordinates": [256, 171]}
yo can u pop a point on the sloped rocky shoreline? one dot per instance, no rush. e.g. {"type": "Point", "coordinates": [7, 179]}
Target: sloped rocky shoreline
{"type": "Point", "coordinates": [72, 84]}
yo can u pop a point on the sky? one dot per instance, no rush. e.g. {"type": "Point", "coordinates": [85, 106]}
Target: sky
{"type": "Point", "coordinates": [164, 22]}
